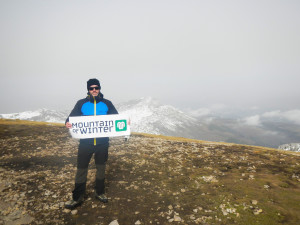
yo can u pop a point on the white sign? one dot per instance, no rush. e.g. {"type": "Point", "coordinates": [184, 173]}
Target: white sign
{"type": "Point", "coordinates": [99, 126]}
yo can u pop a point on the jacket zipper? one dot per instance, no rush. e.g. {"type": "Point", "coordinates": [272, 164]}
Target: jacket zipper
{"type": "Point", "coordinates": [94, 115]}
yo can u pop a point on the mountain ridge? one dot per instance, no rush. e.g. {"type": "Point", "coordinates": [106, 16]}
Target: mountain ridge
{"type": "Point", "coordinates": [149, 116]}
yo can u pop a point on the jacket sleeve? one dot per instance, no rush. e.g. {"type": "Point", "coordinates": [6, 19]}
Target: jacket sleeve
{"type": "Point", "coordinates": [111, 108]}
{"type": "Point", "coordinates": [76, 111]}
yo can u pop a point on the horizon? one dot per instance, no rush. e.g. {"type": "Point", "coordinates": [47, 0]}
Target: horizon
{"type": "Point", "coordinates": [252, 117]}
{"type": "Point", "coordinates": [270, 129]}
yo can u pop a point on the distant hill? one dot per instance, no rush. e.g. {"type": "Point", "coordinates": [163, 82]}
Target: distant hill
{"type": "Point", "coordinates": [46, 115]}
{"type": "Point", "coordinates": [149, 116]}
{"type": "Point", "coordinates": [150, 179]}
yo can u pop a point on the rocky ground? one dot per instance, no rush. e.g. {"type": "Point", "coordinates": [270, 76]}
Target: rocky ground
{"type": "Point", "coordinates": [150, 180]}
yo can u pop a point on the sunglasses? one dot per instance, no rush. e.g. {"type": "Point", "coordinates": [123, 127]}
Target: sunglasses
{"type": "Point", "coordinates": [92, 88]}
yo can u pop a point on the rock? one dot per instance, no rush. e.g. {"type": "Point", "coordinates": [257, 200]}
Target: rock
{"type": "Point", "coordinates": [225, 213]}
{"type": "Point", "coordinates": [254, 202]}
{"type": "Point", "coordinates": [67, 210]}
{"type": "Point", "coordinates": [138, 222]}
{"type": "Point", "coordinates": [114, 222]}
{"type": "Point", "coordinates": [74, 212]}
{"type": "Point", "coordinates": [210, 179]}
{"type": "Point", "coordinates": [177, 218]}
{"type": "Point", "coordinates": [257, 211]}
{"type": "Point", "coordinates": [56, 206]}
{"type": "Point", "coordinates": [47, 192]}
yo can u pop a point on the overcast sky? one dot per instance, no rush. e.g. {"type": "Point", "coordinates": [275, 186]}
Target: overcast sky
{"type": "Point", "coordinates": [189, 54]}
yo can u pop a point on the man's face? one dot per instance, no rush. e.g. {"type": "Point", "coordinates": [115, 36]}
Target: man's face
{"type": "Point", "coordinates": [94, 90]}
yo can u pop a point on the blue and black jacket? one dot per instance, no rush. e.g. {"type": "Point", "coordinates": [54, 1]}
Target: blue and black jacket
{"type": "Point", "coordinates": [91, 106]}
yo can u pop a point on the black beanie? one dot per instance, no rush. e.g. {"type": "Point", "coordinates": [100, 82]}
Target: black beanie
{"type": "Point", "coordinates": [91, 82]}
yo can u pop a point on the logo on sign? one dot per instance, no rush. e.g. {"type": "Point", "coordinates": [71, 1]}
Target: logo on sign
{"type": "Point", "coordinates": [121, 125]}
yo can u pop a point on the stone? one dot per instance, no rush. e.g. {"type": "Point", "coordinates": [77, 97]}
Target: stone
{"type": "Point", "coordinates": [66, 210]}
{"type": "Point", "coordinates": [177, 218]}
{"type": "Point", "coordinates": [254, 202]}
{"type": "Point", "coordinates": [257, 211]}
{"type": "Point", "coordinates": [74, 212]}
{"type": "Point", "coordinates": [138, 222]}
{"type": "Point", "coordinates": [114, 222]}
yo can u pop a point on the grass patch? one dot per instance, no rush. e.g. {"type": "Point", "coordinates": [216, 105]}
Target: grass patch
{"type": "Point", "coordinates": [152, 179]}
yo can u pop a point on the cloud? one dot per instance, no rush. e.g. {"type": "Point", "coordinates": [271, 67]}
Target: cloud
{"type": "Point", "coordinates": [291, 115]}
{"type": "Point", "coordinates": [218, 106]}
{"type": "Point", "coordinates": [252, 120]}
{"type": "Point", "coordinates": [212, 110]}
{"type": "Point", "coordinates": [200, 112]}
{"type": "Point", "coordinates": [271, 114]}
{"type": "Point", "coordinates": [254, 108]}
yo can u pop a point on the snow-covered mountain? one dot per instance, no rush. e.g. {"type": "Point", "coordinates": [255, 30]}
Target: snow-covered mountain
{"type": "Point", "coordinates": [149, 116]}
{"type": "Point", "coordinates": [295, 147]}
{"type": "Point", "coordinates": [46, 115]}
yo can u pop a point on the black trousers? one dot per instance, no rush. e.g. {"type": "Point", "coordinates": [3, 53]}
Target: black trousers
{"type": "Point", "coordinates": [85, 153]}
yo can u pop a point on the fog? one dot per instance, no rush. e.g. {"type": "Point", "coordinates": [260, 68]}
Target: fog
{"type": "Point", "coordinates": [194, 55]}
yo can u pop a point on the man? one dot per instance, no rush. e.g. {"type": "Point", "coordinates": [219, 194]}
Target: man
{"type": "Point", "coordinates": [93, 104]}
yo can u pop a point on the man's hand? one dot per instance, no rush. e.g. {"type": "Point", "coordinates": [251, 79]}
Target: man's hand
{"type": "Point", "coordinates": [68, 125]}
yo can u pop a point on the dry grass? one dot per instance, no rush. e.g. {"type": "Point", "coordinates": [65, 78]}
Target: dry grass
{"type": "Point", "coordinates": [150, 180]}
